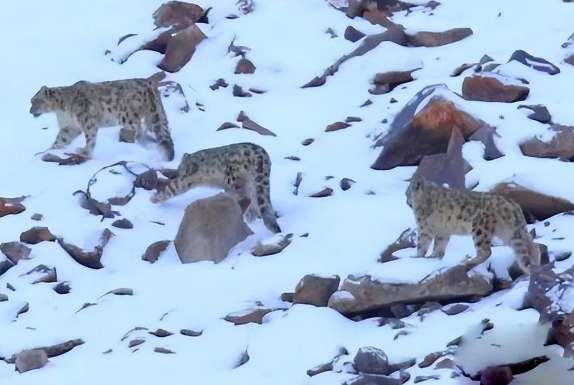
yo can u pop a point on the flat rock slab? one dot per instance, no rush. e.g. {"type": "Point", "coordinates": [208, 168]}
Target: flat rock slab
{"type": "Point", "coordinates": [492, 89]}
{"type": "Point", "coordinates": [364, 294]}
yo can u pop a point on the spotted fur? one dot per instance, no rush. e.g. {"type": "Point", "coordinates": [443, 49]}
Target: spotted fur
{"type": "Point", "coordinates": [242, 169]}
{"type": "Point", "coordinates": [441, 212]}
{"type": "Point", "coordinates": [84, 107]}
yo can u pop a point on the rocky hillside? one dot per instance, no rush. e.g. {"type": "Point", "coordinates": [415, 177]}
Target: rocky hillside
{"type": "Point", "coordinates": [350, 99]}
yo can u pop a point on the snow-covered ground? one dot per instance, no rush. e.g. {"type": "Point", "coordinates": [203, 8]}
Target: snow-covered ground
{"type": "Point", "coordinates": [60, 42]}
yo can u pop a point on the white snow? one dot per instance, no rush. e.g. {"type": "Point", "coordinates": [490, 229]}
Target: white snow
{"type": "Point", "coordinates": [60, 42]}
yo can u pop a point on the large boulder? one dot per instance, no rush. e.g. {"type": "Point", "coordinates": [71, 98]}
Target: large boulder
{"type": "Point", "coordinates": [535, 205]}
{"type": "Point", "coordinates": [210, 228]}
{"type": "Point", "coordinates": [424, 127]}
{"type": "Point", "coordinates": [489, 88]}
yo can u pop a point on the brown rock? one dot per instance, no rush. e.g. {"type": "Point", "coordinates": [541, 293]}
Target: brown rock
{"type": "Point", "coordinates": [239, 92]}
{"type": "Point", "coordinates": [63, 288]}
{"type": "Point", "coordinates": [36, 235]}
{"type": "Point", "coordinates": [154, 250]}
{"type": "Point", "coordinates": [436, 39]}
{"type": "Point", "coordinates": [501, 375]}
{"type": "Point", "coordinates": [210, 228]}
{"type": "Point", "coordinates": [244, 66]}
{"type": "Point", "coordinates": [404, 241]}
{"type": "Point", "coordinates": [315, 290]}
{"type": "Point", "coordinates": [46, 274]}
{"type": "Point", "coordinates": [561, 145]}
{"type": "Point", "coordinates": [15, 251]}
{"type": "Point", "coordinates": [190, 333]}
{"type": "Point", "coordinates": [413, 135]}
{"type": "Point", "coordinates": [91, 259]}
{"type": "Point", "coordinates": [492, 89]}
{"type": "Point", "coordinates": [10, 208]}
{"type": "Point", "coordinates": [387, 81]}
{"type": "Point", "coordinates": [30, 359]}
{"type": "Point", "coordinates": [455, 309]}
{"type": "Point", "coordinates": [219, 83]}
{"type": "Point", "coordinates": [175, 13]}
{"type": "Point", "coordinates": [250, 316]}
{"type": "Point", "coordinates": [179, 47]}
{"type": "Point", "coordinates": [265, 249]}
{"type": "Point", "coordinates": [37, 217]}
{"type": "Point", "coordinates": [363, 294]}
{"type": "Point", "coordinates": [353, 35]}
{"type": "Point", "coordinates": [431, 359]}
{"type": "Point", "coordinates": [249, 124]}
{"type": "Point", "coordinates": [227, 125]}
{"type": "Point", "coordinates": [326, 192]}
{"type": "Point", "coordinates": [337, 126]}
{"type": "Point", "coordinates": [536, 206]}
{"type": "Point", "coordinates": [307, 141]}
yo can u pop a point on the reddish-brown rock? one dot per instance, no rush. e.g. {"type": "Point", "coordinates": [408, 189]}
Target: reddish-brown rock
{"type": "Point", "coordinates": [10, 208]}
{"type": "Point", "coordinates": [492, 89]}
{"type": "Point", "coordinates": [245, 66]}
{"type": "Point", "coordinates": [352, 34]}
{"type": "Point", "coordinates": [175, 13]}
{"type": "Point", "coordinates": [387, 81]}
{"type": "Point", "coordinates": [436, 39]}
{"type": "Point", "coordinates": [180, 46]}
{"type": "Point", "coordinates": [337, 126]}
{"type": "Point", "coordinates": [36, 235]}
{"type": "Point", "coordinates": [414, 135]}
{"type": "Point", "coordinates": [535, 205]}
{"type": "Point", "coordinates": [315, 290]}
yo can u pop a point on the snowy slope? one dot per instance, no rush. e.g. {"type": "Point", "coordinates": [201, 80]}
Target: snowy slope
{"type": "Point", "coordinates": [60, 42]}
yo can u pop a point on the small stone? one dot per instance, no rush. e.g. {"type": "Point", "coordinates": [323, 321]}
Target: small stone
{"type": "Point", "coordinates": [37, 217]}
{"type": "Point", "coordinates": [163, 350]}
{"type": "Point", "coordinates": [371, 360]}
{"type": "Point", "coordinates": [346, 184]}
{"type": "Point", "coordinates": [315, 290]}
{"type": "Point", "coordinates": [337, 126]}
{"type": "Point", "coordinates": [154, 250]}
{"type": "Point", "coordinates": [36, 235]}
{"type": "Point", "coordinates": [227, 125]}
{"type": "Point", "coordinates": [426, 378]}
{"type": "Point", "coordinates": [190, 333]}
{"type": "Point", "coordinates": [353, 35]}
{"type": "Point", "coordinates": [123, 223]}
{"type": "Point", "coordinates": [3, 297]}
{"type": "Point", "coordinates": [30, 360]}
{"type": "Point", "coordinates": [431, 359]}
{"type": "Point", "coordinates": [135, 342]}
{"type": "Point", "coordinates": [307, 141]}
{"type": "Point", "coordinates": [250, 316]}
{"type": "Point", "coordinates": [327, 191]}
{"type": "Point", "coordinates": [239, 92]}
{"type": "Point", "coordinates": [244, 66]}
{"type": "Point", "coordinates": [161, 333]}
{"type": "Point", "coordinates": [63, 288]}
{"type": "Point", "coordinates": [455, 309]}
{"type": "Point", "coordinates": [366, 103]}
{"type": "Point", "coordinates": [447, 363]}
{"type": "Point", "coordinates": [393, 100]}
{"type": "Point", "coordinates": [353, 119]}
{"type": "Point", "coordinates": [15, 251]}
{"type": "Point", "coordinates": [292, 157]}
{"type": "Point", "coordinates": [219, 83]}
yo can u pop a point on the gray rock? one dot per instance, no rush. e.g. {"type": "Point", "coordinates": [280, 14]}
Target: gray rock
{"type": "Point", "coordinates": [210, 228]}
{"type": "Point", "coordinates": [371, 360]}
{"type": "Point", "coordinates": [31, 359]}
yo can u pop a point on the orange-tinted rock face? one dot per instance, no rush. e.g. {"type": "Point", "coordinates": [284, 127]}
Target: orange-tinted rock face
{"type": "Point", "coordinates": [426, 133]}
{"type": "Point", "coordinates": [177, 13]}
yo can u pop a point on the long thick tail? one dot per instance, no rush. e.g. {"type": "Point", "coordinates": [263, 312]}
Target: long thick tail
{"type": "Point", "coordinates": [159, 124]}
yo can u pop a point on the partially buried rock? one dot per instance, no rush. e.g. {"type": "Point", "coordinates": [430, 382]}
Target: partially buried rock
{"type": "Point", "coordinates": [489, 88]}
{"type": "Point", "coordinates": [239, 92]}
{"type": "Point", "coordinates": [535, 205]}
{"type": "Point", "coordinates": [154, 250]}
{"type": "Point", "coordinates": [244, 66]}
{"type": "Point", "coordinates": [8, 207]}
{"type": "Point", "coordinates": [337, 126]}
{"type": "Point", "coordinates": [371, 360]}
{"type": "Point", "coordinates": [387, 81]}
{"type": "Point", "coordinates": [561, 146]}
{"type": "Point", "coordinates": [30, 360]}
{"type": "Point", "coordinates": [62, 288]}
{"type": "Point", "coordinates": [346, 184]}
{"type": "Point", "coordinates": [436, 39]}
{"type": "Point", "coordinates": [539, 113]}
{"type": "Point", "coordinates": [326, 192]}
{"type": "Point", "coordinates": [210, 228]}
{"type": "Point", "coordinates": [352, 34]}
{"type": "Point", "coordinates": [359, 295]}
{"type": "Point", "coordinates": [15, 251]}
{"type": "Point", "coordinates": [537, 63]}
{"type": "Point", "coordinates": [315, 290]}
{"type": "Point", "coordinates": [123, 223]}
{"type": "Point", "coordinates": [248, 316]}
{"type": "Point", "coordinates": [373, 379]}
{"type": "Point", "coordinates": [36, 235]}
{"type": "Point", "coordinates": [265, 249]}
